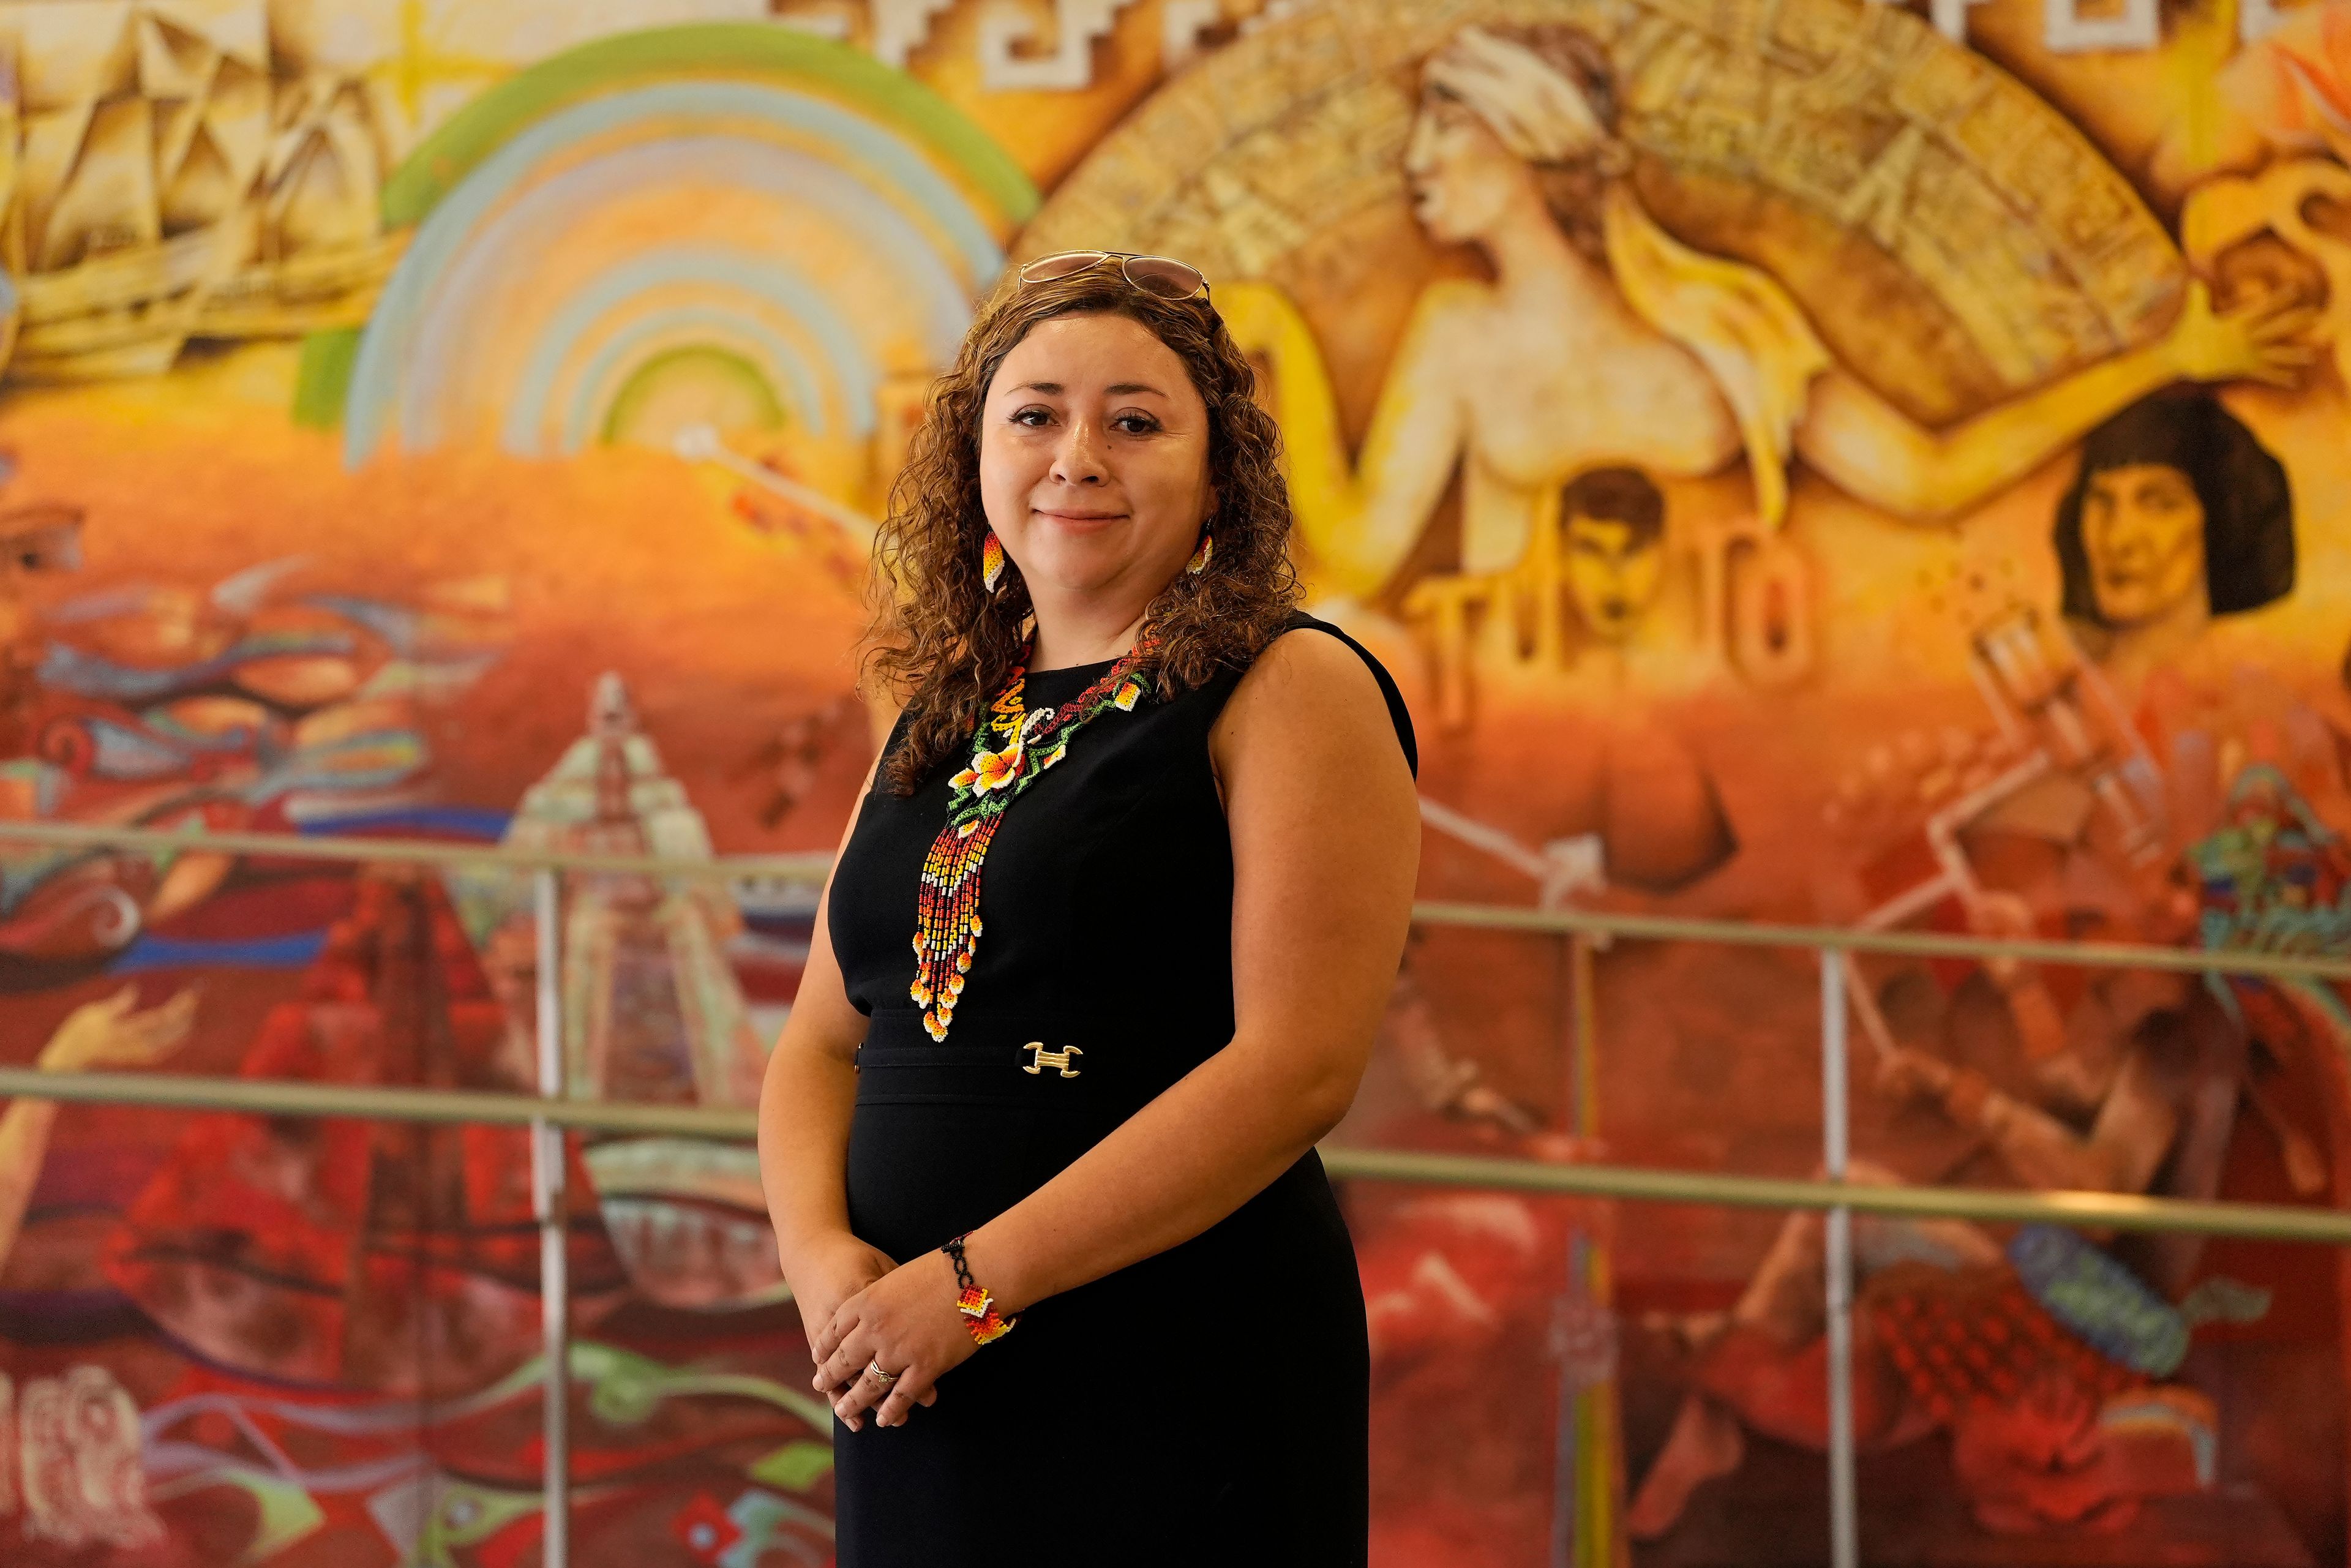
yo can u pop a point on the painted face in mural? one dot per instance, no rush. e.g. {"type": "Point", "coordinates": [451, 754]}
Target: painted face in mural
{"type": "Point", "coordinates": [2143, 530]}
{"type": "Point", "coordinates": [1094, 457]}
{"type": "Point", "coordinates": [1613, 535]}
{"type": "Point", "coordinates": [1465, 183]}
{"type": "Point", "coordinates": [1613, 574]}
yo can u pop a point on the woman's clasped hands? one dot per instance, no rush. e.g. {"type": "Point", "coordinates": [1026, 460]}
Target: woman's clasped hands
{"type": "Point", "coordinates": [902, 1320]}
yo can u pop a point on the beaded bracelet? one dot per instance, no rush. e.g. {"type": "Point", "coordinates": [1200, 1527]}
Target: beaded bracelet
{"type": "Point", "coordinates": [979, 1309]}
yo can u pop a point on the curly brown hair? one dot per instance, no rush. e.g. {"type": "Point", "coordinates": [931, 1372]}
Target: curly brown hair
{"type": "Point", "coordinates": [944, 645]}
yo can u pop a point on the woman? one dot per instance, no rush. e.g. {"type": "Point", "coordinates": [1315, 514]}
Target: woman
{"type": "Point", "coordinates": [1062, 1130]}
{"type": "Point", "coordinates": [1601, 340]}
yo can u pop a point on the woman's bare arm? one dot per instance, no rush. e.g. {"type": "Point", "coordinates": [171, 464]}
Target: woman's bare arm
{"type": "Point", "coordinates": [805, 1104]}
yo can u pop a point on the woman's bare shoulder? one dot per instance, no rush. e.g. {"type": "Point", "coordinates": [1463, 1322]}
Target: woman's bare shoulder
{"type": "Point", "coordinates": [1307, 694]}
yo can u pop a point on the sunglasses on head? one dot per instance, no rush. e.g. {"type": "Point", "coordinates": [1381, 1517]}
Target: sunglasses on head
{"type": "Point", "coordinates": [1162, 277]}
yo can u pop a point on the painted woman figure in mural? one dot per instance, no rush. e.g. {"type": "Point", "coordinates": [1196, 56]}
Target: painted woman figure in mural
{"type": "Point", "coordinates": [2177, 516]}
{"type": "Point", "coordinates": [1042, 1183]}
{"type": "Point", "coordinates": [1601, 339]}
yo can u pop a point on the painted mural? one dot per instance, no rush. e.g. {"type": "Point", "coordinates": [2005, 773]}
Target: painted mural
{"type": "Point", "coordinates": [1811, 460]}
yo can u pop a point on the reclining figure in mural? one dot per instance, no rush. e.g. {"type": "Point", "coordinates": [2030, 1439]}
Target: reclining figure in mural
{"type": "Point", "coordinates": [2046, 1359]}
{"type": "Point", "coordinates": [1603, 339]}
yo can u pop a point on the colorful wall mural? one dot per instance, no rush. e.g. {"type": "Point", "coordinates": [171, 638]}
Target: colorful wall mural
{"type": "Point", "coordinates": [1809, 460]}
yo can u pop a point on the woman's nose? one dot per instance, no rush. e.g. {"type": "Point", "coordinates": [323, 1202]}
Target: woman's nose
{"type": "Point", "coordinates": [1079, 460]}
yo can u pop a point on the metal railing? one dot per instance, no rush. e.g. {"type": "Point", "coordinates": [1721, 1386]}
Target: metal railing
{"type": "Point", "coordinates": [552, 1110]}
{"type": "Point", "coordinates": [1643, 1183]}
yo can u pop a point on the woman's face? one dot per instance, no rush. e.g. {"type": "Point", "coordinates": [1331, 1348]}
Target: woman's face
{"type": "Point", "coordinates": [1093, 458]}
{"type": "Point", "coordinates": [2143, 533]}
{"type": "Point", "coordinates": [1464, 182]}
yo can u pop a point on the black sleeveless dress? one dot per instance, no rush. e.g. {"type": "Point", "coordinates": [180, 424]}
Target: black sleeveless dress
{"type": "Point", "coordinates": [1205, 1405]}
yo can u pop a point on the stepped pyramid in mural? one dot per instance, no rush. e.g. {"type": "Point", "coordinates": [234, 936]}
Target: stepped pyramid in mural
{"type": "Point", "coordinates": [652, 1012]}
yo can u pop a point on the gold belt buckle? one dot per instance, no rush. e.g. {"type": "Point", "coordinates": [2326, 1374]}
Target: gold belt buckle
{"type": "Point", "coordinates": [1045, 1059]}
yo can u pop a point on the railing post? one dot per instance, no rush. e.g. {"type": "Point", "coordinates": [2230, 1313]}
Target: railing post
{"type": "Point", "coordinates": [1588, 1450]}
{"type": "Point", "coordinates": [1844, 1531]}
{"type": "Point", "coordinates": [1566, 1470]}
{"type": "Point", "coordinates": [547, 1167]}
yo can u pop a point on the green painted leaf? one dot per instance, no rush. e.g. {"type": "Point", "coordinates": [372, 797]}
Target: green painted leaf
{"type": "Point", "coordinates": [795, 1466]}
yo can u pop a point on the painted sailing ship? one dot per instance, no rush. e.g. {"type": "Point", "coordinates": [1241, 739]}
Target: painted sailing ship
{"type": "Point", "coordinates": [170, 172]}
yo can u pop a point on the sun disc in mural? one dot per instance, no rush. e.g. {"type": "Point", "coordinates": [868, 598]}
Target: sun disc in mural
{"type": "Point", "coordinates": [741, 228]}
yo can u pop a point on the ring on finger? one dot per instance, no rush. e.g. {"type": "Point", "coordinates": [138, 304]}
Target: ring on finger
{"type": "Point", "coordinates": [873, 1370]}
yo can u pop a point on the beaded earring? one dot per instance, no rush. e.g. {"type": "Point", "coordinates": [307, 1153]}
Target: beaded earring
{"type": "Point", "coordinates": [991, 562]}
{"type": "Point", "coordinates": [1199, 561]}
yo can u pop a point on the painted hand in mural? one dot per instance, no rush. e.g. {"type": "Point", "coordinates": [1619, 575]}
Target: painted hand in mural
{"type": "Point", "coordinates": [906, 1323]}
{"type": "Point", "coordinates": [112, 1032]}
{"type": "Point", "coordinates": [108, 1032]}
{"type": "Point", "coordinates": [2265, 339]}
{"type": "Point", "coordinates": [2002, 915]}
{"type": "Point", "coordinates": [1907, 1074]}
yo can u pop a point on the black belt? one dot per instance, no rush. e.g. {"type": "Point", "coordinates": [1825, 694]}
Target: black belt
{"type": "Point", "coordinates": [1031, 1059]}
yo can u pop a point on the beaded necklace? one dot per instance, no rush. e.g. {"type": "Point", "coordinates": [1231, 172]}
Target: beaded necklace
{"type": "Point", "coordinates": [946, 913]}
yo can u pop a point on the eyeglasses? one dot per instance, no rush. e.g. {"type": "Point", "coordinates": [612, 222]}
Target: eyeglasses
{"type": "Point", "coordinates": [1160, 276]}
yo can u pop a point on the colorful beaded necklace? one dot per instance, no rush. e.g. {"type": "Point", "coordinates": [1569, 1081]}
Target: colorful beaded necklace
{"type": "Point", "coordinates": [947, 917]}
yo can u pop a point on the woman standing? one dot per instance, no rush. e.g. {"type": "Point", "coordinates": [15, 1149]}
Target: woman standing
{"type": "Point", "coordinates": [1062, 1131]}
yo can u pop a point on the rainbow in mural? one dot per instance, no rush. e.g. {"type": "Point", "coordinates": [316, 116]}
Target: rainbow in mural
{"type": "Point", "coordinates": [740, 225]}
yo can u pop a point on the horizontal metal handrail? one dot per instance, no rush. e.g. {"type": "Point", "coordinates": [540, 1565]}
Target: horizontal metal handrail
{"type": "Point", "coordinates": [1916, 943]}
{"type": "Point", "coordinates": [812, 868]}
{"type": "Point", "coordinates": [2083, 1210]}
{"type": "Point", "coordinates": [371, 1102]}
{"type": "Point", "coordinates": [2093, 1210]}
{"type": "Point", "coordinates": [801, 868]}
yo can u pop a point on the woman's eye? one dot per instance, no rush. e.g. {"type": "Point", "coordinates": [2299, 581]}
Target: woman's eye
{"type": "Point", "coordinates": [1031, 417]}
{"type": "Point", "coordinates": [1135, 423]}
